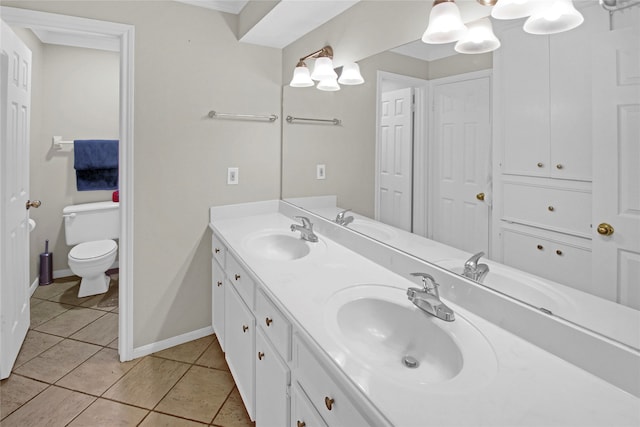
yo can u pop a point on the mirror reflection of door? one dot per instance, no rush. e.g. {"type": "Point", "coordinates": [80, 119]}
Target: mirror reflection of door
{"type": "Point", "coordinates": [460, 193]}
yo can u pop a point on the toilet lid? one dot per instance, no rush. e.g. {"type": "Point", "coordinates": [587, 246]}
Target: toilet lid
{"type": "Point", "coordinates": [93, 249]}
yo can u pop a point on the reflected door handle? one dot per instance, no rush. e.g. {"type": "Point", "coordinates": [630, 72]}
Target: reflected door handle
{"type": "Point", "coordinates": [480, 196]}
{"type": "Point", "coordinates": [605, 229]}
{"type": "Point", "coordinates": [33, 204]}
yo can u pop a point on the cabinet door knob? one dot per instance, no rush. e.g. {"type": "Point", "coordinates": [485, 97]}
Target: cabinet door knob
{"type": "Point", "coordinates": [559, 166]}
{"type": "Point", "coordinates": [33, 204]}
{"type": "Point", "coordinates": [219, 283]}
{"type": "Point", "coordinates": [301, 423]}
{"type": "Point", "coordinates": [551, 208]}
{"type": "Point", "coordinates": [540, 247]}
{"type": "Point", "coordinates": [559, 252]}
{"type": "Point", "coordinates": [260, 355]}
{"type": "Point", "coordinates": [245, 328]}
{"type": "Point", "coordinates": [216, 250]}
{"type": "Point", "coordinates": [540, 164]}
{"type": "Point", "coordinates": [480, 196]}
{"type": "Point", "coordinates": [605, 229]}
{"type": "Point", "coordinates": [237, 276]}
{"type": "Point", "coordinates": [268, 321]}
{"type": "Point", "coordinates": [328, 402]}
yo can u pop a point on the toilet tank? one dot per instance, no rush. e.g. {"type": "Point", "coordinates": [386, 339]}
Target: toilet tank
{"type": "Point", "coordinates": [91, 221]}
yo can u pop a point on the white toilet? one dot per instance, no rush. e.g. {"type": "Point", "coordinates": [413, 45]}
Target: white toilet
{"type": "Point", "coordinates": [92, 228]}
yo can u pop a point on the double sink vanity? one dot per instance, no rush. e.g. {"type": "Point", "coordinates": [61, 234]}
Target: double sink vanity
{"type": "Point", "coordinates": [322, 326]}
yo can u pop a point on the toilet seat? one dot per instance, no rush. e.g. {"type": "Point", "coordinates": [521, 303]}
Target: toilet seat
{"type": "Point", "coordinates": [92, 250]}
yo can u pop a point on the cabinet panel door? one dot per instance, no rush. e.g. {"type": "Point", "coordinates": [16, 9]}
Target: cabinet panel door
{"type": "Point", "coordinates": [217, 304]}
{"type": "Point", "coordinates": [523, 88]}
{"type": "Point", "coordinates": [240, 343]}
{"type": "Point", "coordinates": [218, 250]}
{"type": "Point", "coordinates": [571, 96]}
{"type": "Point", "coordinates": [303, 414]}
{"type": "Point", "coordinates": [274, 324]}
{"type": "Point", "coordinates": [272, 380]}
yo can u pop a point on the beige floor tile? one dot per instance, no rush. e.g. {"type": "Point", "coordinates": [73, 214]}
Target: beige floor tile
{"type": "Point", "coordinates": [198, 395]}
{"type": "Point", "coordinates": [70, 321]}
{"type": "Point", "coordinates": [58, 287]}
{"type": "Point", "coordinates": [98, 373]}
{"type": "Point", "coordinates": [213, 357]}
{"type": "Point", "coordinates": [101, 332]}
{"type": "Point", "coordinates": [188, 352]}
{"type": "Point", "coordinates": [46, 311]}
{"type": "Point", "coordinates": [105, 413]}
{"type": "Point", "coordinates": [59, 360]}
{"type": "Point", "coordinates": [161, 420]}
{"type": "Point", "coordinates": [147, 383]}
{"type": "Point", "coordinates": [35, 301]}
{"type": "Point", "coordinates": [53, 407]}
{"type": "Point", "coordinates": [107, 301]}
{"type": "Point", "coordinates": [34, 344]}
{"type": "Point", "coordinates": [15, 391]}
{"type": "Point", "coordinates": [113, 344]}
{"type": "Point", "coordinates": [233, 413]}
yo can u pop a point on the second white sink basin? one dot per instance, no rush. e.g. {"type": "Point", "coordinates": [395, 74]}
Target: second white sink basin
{"type": "Point", "coordinates": [389, 337]}
{"type": "Point", "coordinates": [279, 246]}
{"type": "Point", "coordinates": [375, 230]}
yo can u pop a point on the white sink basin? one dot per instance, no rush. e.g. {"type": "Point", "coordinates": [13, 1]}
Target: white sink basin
{"type": "Point", "coordinates": [372, 229]}
{"type": "Point", "coordinates": [521, 286]}
{"type": "Point", "coordinates": [389, 337]}
{"type": "Point", "coordinates": [279, 246]}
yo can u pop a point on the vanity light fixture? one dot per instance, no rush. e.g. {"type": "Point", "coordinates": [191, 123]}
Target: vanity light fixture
{"type": "Point", "coordinates": [324, 73]}
{"type": "Point", "coordinates": [514, 9]}
{"type": "Point", "coordinates": [557, 16]}
{"type": "Point", "coordinates": [479, 38]}
{"type": "Point", "coordinates": [445, 23]}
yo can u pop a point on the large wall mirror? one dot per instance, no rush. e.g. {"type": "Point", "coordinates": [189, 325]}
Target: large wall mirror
{"type": "Point", "coordinates": [446, 155]}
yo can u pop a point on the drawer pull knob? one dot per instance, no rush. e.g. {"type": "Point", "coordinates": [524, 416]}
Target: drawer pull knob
{"type": "Point", "coordinates": [540, 164]}
{"type": "Point", "coordinates": [260, 355]}
{"type": "Point", "coordinates": [605, 229]}
{"type": "Point", "coordinates": [559, 166]}
{"type": "Point", "coordinates": [237, 276]}
{"type": "Point", "coordinates": [540, 247]}
{"type": "Point", "coordinates": [301, 423]}
{"type": "Point", "coordinates": [268, 321]}
{"type": "Point", "coordinates": [480, 196]}
{"type": "Point", "coordinates": [217, 250]}
{"type": "Point", "coordinates": [245, 328]}
{"type": "Point", "coordinates": [559, 252]}
{"type": "Point", "coordinates": [551, 208]}
{"type": "Point", "coordinates": [219, 283]}
{"type": "Point", "coordinates": [328, 402]}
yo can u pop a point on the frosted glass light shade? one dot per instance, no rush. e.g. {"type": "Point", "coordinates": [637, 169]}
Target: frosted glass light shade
{"type": "Point", "coordinates": [351, 74]}
{"type": "Point", "coordinates": [323, 69]}
{"type": "Point", "coordinates": [479, 38]}
{"type": "Point", "coordinates": [301, 78]}
{"type": "Point", "coordinates": [328, 85]}
{"type": "Point", "coordinates": [556, 17]}
{"type": "Point", "coordinates": [514, 9]}
{"type": "Point", "coordinates": [445, 24]}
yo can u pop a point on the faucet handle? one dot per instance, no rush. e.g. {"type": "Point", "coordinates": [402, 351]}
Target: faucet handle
{"type": "Point", "coordinates": [473, 261]}
{"type": "Point", "coordinates": [305, 221]}
{"type": "Point", "coordinates": [342, 213]}
{"type": "Point", "coordinates": [428, 282]}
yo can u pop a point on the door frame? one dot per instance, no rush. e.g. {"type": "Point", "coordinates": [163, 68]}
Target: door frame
{"type": "Point", "coordinates": [124, 34]}
{"type": "Point", "coordinates": [420, 139]}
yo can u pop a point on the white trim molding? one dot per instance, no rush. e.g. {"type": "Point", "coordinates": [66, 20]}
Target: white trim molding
{"type": "Point", "coordinates": [124, 35]}
{"type": "Point", "coordinates": [148, 349]}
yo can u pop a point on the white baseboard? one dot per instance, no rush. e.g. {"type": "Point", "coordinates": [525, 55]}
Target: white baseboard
{"type": "Point", "coordinates": [34, 285]}
{"type": "Point", "coordinates": [62, 273]}
{"type": "Point", "coordinates": [148, 349]}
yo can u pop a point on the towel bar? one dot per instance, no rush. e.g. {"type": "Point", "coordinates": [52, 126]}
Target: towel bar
{"type": "Point", "coordinates": [335, 122]}
{"type": "Point", "coordinates": [215, 114]}
{"type": "Point", "coordinates": [58, 143]}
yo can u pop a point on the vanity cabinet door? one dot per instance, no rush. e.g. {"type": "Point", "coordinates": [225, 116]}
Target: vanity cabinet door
{"type": "Point", "coordinates": [240, 347]}
{"type": "Point", "coordinates": [303, 414]}
{"type": "Point", "coordinates": [217, 304]}
{"type": "Point", "coordinates": [241, 281]}
{"type": "Point", "coordinates": [274, 324]}
{"type": "Point", "coordinates": [272, 381]}
{"type": "Point", "coordinates": [219, 250]}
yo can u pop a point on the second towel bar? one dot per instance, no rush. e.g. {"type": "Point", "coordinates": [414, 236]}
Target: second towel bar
{"type": "Point", "coordinates": [335, 122]}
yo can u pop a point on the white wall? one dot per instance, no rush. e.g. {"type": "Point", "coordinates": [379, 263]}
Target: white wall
{"type": "Point", "coordinates": [187, 62]}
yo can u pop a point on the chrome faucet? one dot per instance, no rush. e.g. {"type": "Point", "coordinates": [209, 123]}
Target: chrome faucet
{"type": "Point", "coordinates": [428, 299]}
{"type": "Point", "coordinates": [306, 229]}
{"type": "Point", "coordinates": [475, 271]}
{"type": "Point", "coordinates": [342, 220]}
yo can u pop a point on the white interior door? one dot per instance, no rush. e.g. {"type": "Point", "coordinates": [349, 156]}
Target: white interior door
{"type": "Point", "coordinates": [15, 89]}
{"type": "Point", "coordinates": [460, 163]}
{"type": "Point", "coordinates": [396, 159]}
{"type": "Point", "coordinates": [616, 147]}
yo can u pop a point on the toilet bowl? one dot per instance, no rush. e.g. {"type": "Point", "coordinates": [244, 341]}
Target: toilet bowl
{"type": "Point", "coordinates": [90, 260]}
{"type": "Point", "coordinates": [91, 229]}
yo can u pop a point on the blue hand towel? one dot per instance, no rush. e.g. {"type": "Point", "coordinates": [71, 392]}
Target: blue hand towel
{"type": "Point", "coordinates": [96, 164]}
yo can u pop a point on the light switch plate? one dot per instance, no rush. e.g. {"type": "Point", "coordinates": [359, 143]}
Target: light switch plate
{"type": "Point", "coordinates": [320, 172]}
{"type": "Point", "coordinates": [232, 176]}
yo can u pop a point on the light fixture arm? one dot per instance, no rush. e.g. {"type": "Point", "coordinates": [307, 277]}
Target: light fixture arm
{"type": "Point", "coordinates": [326, 51]}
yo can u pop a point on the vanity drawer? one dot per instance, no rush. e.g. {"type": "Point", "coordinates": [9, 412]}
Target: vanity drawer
{"type": "Point", "coordinates": [331, 402]}
{"type": "Point", "coordinates": [551, 258]}
{"type": "Point", "coordinates": [241, 281]}
{"type": "Point", "coordinates": [275, 326]}
{"type": "Point", "coordinates": [302, 412]}
{"type": "Point", "coordinates": [218, 286]}
{"type": "Point", "coordinates": [557, 209]}
{"type": "Point", "coordinates": [219, 250]}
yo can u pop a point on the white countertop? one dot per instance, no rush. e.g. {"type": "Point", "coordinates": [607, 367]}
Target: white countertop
{"type": "Point", "coordinates": [530, 387]}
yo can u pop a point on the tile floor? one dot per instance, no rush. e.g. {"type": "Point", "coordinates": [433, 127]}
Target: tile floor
{"type": "Point", "coordinates": [68, 373]}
